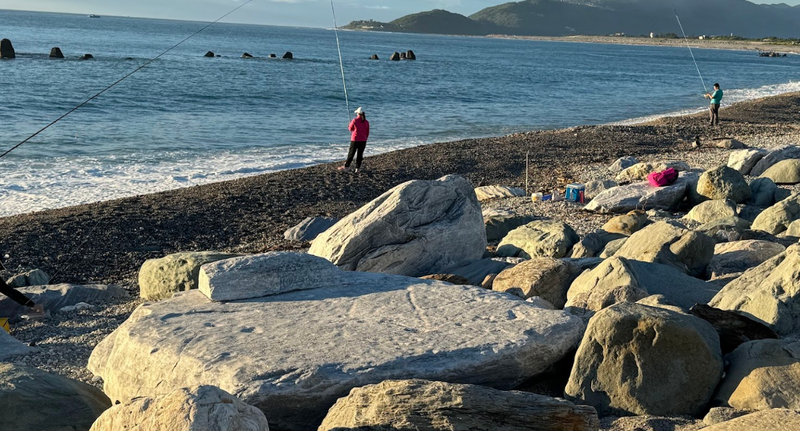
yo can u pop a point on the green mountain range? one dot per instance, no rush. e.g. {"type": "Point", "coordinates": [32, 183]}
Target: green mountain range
{"type": "Point", "coordinates": [603, 17]}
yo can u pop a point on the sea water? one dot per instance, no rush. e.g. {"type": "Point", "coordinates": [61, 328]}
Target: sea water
{"type": "Point", "coordinates": [186, 120]}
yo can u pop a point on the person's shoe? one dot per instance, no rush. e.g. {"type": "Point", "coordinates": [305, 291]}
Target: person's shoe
{"type": "Point", "coordinates": [357, 170]}
{"type": "Point", "coordinates": [343, 168]}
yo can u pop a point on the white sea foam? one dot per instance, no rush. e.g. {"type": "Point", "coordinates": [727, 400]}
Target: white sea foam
{"type": "Point", "coordinates": [731, 96]}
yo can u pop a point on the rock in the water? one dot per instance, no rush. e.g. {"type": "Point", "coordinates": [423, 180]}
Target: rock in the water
{"type": "Point", "coordinates": [500, 223]}
{"type": "Point", "coordinates": [293, 355]}
{"type": "Point", "coordinates": [670, 244]}
{"type": "Point", "coordinates": [778, 217]}
{"type": "Point", "coordinates": [723, 414]}
{"type": "Point", "coordinates": [774, 156]}
{"type": "Point", "coordinates": [200, 408]}
{"type": "Point", "coordinates": [10, 346]}
{"type": "Point", "coordinates": [486, 193]}
{"type": "Point", "coordinates": [769, 293]}
{"type": "Point", "coordinates": [594, 243]}
{"type": "Point", "coordinates": [627, 224]}
{"type": "Point", "coordinates": [710, 211]}
{"type": "Point", "coordinates": [410, 55]}
{"type": "Point", "coordinates": [762, 192]}
{"type": "Point", "coordinates": [374, 57]}
{"type": "Point", "coordinates": [775, 419]}
{"type": "Point", "coordinates": [622, 163]}
{"type": "Point", "coordinates": [55, 52]}
{"type": "Point", "coordinates": [86, 57]}
{"type": "Point", "coordinates": [209, 54]}
{"type": "Point", "coordinates": [594, 188]}
{"type": "Point", "coordinates": [178, 272]}
{"type": "Point", "coordinates": [438, 406]}
{"type": "Point", "coordinates": [739, 256]}
{"type": "Point", "coordinates": [33, 400]}
{"type": "Point", "coordinates": [288, 56]}
{"type": "Point", "coordinates": [417, 228]}
{"type": "Point", "coordinates": [273, 56]}
{"type": "Point", "coordinates": [640, 360]}
{"type": "Point", "coordinates": [762, 375]}
{"type": "Point", "coordinates": [612, 282]}
{"type": "Point", "coordinates": [7, 49]}
{"type": "Point", "coordinates": [542, 238]}
{"type": "Point", "coordinates": [733, 328]}
{"type": "Point", "coordinates": [744, 160]}
{"type": "Point", "coordinates": [57, 296]}
{"type": "Point", "coordinates": [309, 229]}
{"type": "Point", "coordinates": [395, 57]}
{"type": "Point", "coordinates": [476, 272]}
{"type": "Point", "coordinates": [545, 277]}
{"type": "Point", "coordinates": [247, 55]}
{"type": "Point", "coordinates": [449, 278]}
{"type": "Point", "coordinates": [784, 172]}
{"type": "Point", "coordinates": [723, 183]}
{"type": "Point", "coordinates": [37, 277]}
{"type": "Point", "coordinates": [730, 144]}
{"type": "Point", "coordinates": [642, 195]}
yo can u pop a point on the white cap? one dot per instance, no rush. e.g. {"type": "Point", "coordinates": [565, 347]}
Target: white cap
{"type": "Point", "coordinates": [359, 111]}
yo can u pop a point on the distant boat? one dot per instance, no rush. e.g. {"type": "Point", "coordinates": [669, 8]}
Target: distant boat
{"type": "Point", "coordinates": [94, 16]}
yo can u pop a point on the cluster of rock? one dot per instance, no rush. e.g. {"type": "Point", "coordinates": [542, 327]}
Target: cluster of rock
{"type": "Point", "coordinates": [397, 56]}
{"type": "Point", "coordinates": [288, 55]}
{"type": "Point", "coordinates": [7, 51]}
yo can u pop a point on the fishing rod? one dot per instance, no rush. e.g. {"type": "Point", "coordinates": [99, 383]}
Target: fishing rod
{"type": "Point", "coordinates": [96, 95]}
{"type": "Point", "coordinates": [341, 62]}
{"type": "Point", "coordinates": [686, 39]}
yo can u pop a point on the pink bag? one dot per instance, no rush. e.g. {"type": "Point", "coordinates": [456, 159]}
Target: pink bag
{"type": "Point", "coordinates": [663, 178]}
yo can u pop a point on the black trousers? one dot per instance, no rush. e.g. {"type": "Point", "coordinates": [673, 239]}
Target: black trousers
{"type": "Point", "coordinates": [714, 110]}
{"type": "Point", "coordinates": [356, 149]}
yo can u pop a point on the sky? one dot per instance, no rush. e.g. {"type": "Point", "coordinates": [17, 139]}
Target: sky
{"type": "Point", "coordinates": [304, 13]}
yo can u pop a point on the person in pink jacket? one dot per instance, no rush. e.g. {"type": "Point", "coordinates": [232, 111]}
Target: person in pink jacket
{"type": "Point", "coordinates": [358, 140]}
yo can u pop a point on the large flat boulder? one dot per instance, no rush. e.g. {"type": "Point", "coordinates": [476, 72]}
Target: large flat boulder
{"type": "Point", "coordinates": [778, 217]}
{"type": "Point", "coordinates": [486, 193]}
{"type": "Point", "coordinates": [670, 244]}
{"type": "Point", "coordinates": [736, 257]}
{"type": "Point", "coordinates": [10, 346]}
{"type": "Point", "coordinates": [57, 296]}
{"type": "Point", "coordinates": [784, 172]}
{"type": "Point", "coordinates": [34, 400]}
{"type": "Point", "coordinates": [178, 272]}
{"type": "Point", "coordinates": [294, 354]}
{"type": "Point", "coordinates": [773, 157]}
{"type": "Point", "coordinates": [438, 406]}
{"type": "Point", "coordinates": [201, 408]}
{"type": "Point", "coordinates": [309, 229]}
{"type": "Point", "coordinates": [775, 419]}
{"type": "Point", "coordinates": [642, 195]}
{"type": "Point", "coordinates": [541, 238]}
{"type": "Point", "coordinates": [762, 375]}
{"type": "Point", "coordinates": [641, 360]}
{"type": "Point", "coordinates": [769, 293]}
{"type": "Point", "coordinates": [417, 228]}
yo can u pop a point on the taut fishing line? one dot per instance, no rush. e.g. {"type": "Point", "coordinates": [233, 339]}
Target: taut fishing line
{"type": "Point", "coordinates": [82, 104]}
{"type": "Point", "coordinates": [686, 39]}
{"type": "Point", "coordinates": [341, 62]}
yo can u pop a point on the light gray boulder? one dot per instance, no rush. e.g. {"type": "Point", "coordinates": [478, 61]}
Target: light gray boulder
{"type": "Point", "coordinates": [544, 277]}
{"type": "Point", "coordinates": [642, 196]}
{"type": "Point", "coordinates": [763, 374]}
{"type": "Point", "coordinates": [744, 160]}
{"type": "Point", "coordinates": [622, 163]}
{"type": "Point", "coordinates": [778, 217]}
{"type": "Point", "coordinates": [594, 243]}
{"type": "Point", "coordinates": [612, 248]}
{"type": "Point", "coordinates": [723, 183]}
{"type": "Point", "coordinates": [294, 354]}
{"type": "Point", "coordinates": [309, 229]}
{"type": "Point", "coordinates": [439, 406]}
{"type": "Point", "coordinates": [500, 223]}
{"type": "Point", "coordinates": [541, 238]}
{"type": "Point", "coordinates": [486, 193]}
{"type": "Point", "coordinates": [640, 171]}
{"type": "Point", "coordinates": [793, 231]}
{"type": "Point", "coordinates": [417, 228]}
{"type": "Point", "coordinates": [730, 144]}
{"type": "Point", "coordinates": [768, 293]}
{"type": "Point", "coordinates": [762, 192]}
{"type": "Point", "coordinates": [36, 277]}
{"type": "Point", "coordinates": [594, 188]}
{"type": "Point", "coordinates": [10, 346]}
{"type": "Point", "coordinates": [200, 408]}
{"type": "Point", "coordinates": [178, 272]}
{"type": "Point", "coordinates": [670, 243]}
{"type": "Point", "coordinates": [784, 172]}
{"type": "Point", "coordinates": [57, 296]}
{"type": "Point", "coordinates": [737, 257]}
{"type": "Point", "coordinates": [774, 419]}
{"type": "Point", "coordinates": [709, 211]}
{"type": "Point", "coordinates": [34, 400]}
{"type": "Point", "coordinates": [640, 360]}
{"type": "Point", "coordinates": [774, 156]}
{"type": "Point", "coordinates": [249, 277]}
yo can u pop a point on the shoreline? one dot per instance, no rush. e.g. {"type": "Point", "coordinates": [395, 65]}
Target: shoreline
{"type": "Point", "coordinates": [106, 242]}
{"type": "Point", "coordinates": [730, 45]}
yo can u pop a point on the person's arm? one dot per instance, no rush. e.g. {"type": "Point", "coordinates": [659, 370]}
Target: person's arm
{"type": "Point", "coordinates": [352, 126]}
{"type": "Point", "coordinates": [15, 295]}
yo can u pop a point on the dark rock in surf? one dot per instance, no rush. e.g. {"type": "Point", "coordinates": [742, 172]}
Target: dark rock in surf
{"type": "Point", "coordinates": [7, 49]}
{"type": "Point", "coordinates": [374, 57]}
{"type": "Point", "coordinates": [402, 56]}
{"type": "Point", "coordinates": [209, 54]}
{"type": "Point", "coordinates": [410, 55]}
{"type": "Point", "coordinates": [273, 56]}
{"type": "Point", "coordinates": [55, 52]}
{"type": "Point", "coordinates": [288, 56]}
{"type": "Point", "coordinates": [86, 57]}
{"type": "Point", "coordinates": [395, 57]}
{"type": "Point", "coordinates": [247, 55]}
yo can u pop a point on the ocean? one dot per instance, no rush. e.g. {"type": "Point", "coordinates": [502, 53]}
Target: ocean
{"type": "Point", "coordinates": [187, 120]}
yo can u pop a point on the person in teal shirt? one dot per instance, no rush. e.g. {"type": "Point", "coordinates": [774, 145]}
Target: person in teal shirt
{"type": "Point", "coordinates": [716, 99]}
